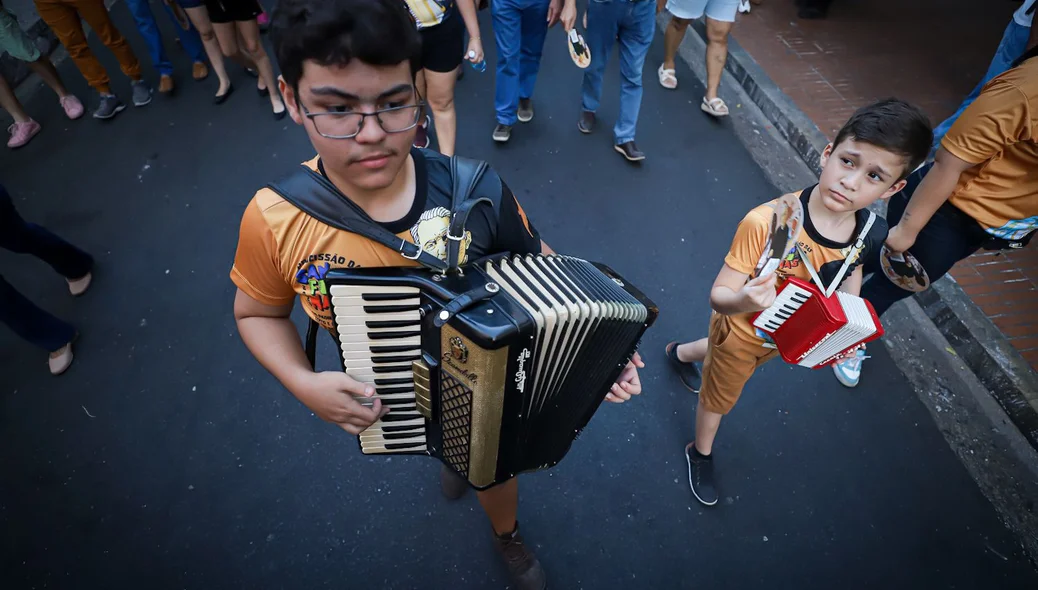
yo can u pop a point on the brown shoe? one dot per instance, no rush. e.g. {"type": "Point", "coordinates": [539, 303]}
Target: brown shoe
{"type": "Point", "coordinates": [451, 484]}
{"type": "Point", "coordinates": [523, 566]}
{"type": "Point", "coordinates": [200, 71]}
{"type": "Point", "coordinates": [165, 84]}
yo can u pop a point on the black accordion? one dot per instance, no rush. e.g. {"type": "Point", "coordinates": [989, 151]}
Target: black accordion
{"type": "Point", "coordinates": [494, 370]}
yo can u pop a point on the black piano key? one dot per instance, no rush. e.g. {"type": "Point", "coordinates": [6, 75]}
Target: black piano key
{"type": "Point", "coordinates": [398, 402]}
{"type": "Point", "coordinates": [401, 358]}
{"type": "Point", "coordinates": [376, 309]}
{"type": "Point", "coordinates": [391, 417]}
{"type": "Point", "coordinates": [401, 435]}
{"type": "Point", "coordinates": [391, 390]}
{"type": "Point", "coordinates": [379, 324]}
{"type": "Point", "coordinates": [393, 335]}
{"type": "Point", "coordinates": [394, 348]}
{"type": "Point", "coordinates": [395, 381]}
{"type": "Point", "coordinates": [387, 296]}
{"type": "Point", "coordinates": [403, 446]}
{"type": "Point", "coordinates": [402, 428]}
{"type": "Point", "coordinates": [392, 368]}
{"type": "Point", "coordinates": [789, 308]}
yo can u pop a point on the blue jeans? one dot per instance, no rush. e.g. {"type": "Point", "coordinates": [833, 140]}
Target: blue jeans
{"type": "Point", "coordinates": [519, 30]}
{"type": "Point", "coordinates": [149, 29]}
{"type": "Point", "coordinates": [1014, 40]}
{"type": "Point", "coordinates": [633, 23]}
{"type": "Point", "coordinates": [23, 316]}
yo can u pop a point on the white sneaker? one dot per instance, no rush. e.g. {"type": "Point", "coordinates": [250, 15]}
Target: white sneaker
{"type": "Point", "coordinates": [744, 6]}
{"type": "Point", "coordinates": [848, 372]}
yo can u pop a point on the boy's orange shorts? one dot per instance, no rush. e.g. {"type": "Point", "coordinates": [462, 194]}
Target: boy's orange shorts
{"type": "Point", "coordinates": [732, 357]}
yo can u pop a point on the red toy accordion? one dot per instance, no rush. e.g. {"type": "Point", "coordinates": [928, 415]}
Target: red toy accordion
{"type": "Point", "coordinates": [812, 330]}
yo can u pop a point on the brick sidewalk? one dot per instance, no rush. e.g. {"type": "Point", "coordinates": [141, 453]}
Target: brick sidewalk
{"type": "Point", "coordinates": [930, 52]}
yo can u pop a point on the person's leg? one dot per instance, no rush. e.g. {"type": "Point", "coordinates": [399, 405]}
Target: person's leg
{"type": "Point", "coordinates": [716, 54]}
{"type": "Point", "coordinates": [22, 237]}
{"type": "Point", "coordinates": [440, 94]}
{"type": "Point", "coordinates": [10, 103]}
{"type": "Point", "coordinates": [501, 503]}
{"type": "Point", "coordinates": [200, 19]}
{"type": "Point", "coordinates": [1012, 45]}
{"type": "Point", "coordinates": [149, 30]}
{"type": "Point", "coordinates": [253, 47]}
{"type": "Point", "coordinates": [602, 29]}
{"type": "Point", "coordinates": [672, 38]}
{"type": "Point", "coordinates": [636, 31]}
{"type": "Point", "coordinates": [64, 20]}
{"type": "Point", "coordinates": [189, 37]}
{"type": "Point", "coordinates": [507, 19]}
{"type": "Point", "coordinates": [730, 361]}
{"type": "Point", "coordinates": [31, 323]}
{"type": "Point", "coordinates": [533, 31]}
{"type": "Point", "coordinates": [96, 15]}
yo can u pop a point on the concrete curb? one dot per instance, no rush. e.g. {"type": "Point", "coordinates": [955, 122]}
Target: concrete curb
{"type": "Point", "coordinates": [975, 339]}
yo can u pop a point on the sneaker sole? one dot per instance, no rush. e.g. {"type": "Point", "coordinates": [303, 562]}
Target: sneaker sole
{"type": "Point", "coordinates": [692, 487]}
{"type": "Point", "coordinates": [141, 104]}
{"type": "Point", "coordinates": [500, 139]}
{"type": "Point", "coordinates": [117, 110]}
{"type": "Point", "coordinates": [843, 380]}
{"type": "Point", "coordinates": [628, 158]}
{"type": "Point", "coordinates": [582, 129]}
{"type": "Point", "coordinates": [525, 119]}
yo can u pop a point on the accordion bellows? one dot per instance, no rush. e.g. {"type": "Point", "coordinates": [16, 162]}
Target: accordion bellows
{"type": "Point", "coordinates": [494, 371]}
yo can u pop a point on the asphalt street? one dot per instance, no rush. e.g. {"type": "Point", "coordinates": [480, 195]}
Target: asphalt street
{"type": "Point", "coordinates": [168, 458]}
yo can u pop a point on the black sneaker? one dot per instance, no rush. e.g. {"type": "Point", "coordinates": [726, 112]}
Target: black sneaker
{"type": "Point", "coordinates": [502, 133]}
{"type": "Point", "coordinates": [630, 151]}
{"type": "Point", "coordinates": [701, 475]}
{"type": "Point", "coordinates": [451, 484]}
{"type": "Point", "coordinates": [586, 124]}
{"type": "Point", "coordinates": [525, 570]}
{"type": "Point", "coordinates": [141, 93]}
{"type": "Point", "coordinates": [109, 107]}
{"type": "Point", "coordinates": [689, 372]}
{"type": "Point", "coordinates": [525, 113]}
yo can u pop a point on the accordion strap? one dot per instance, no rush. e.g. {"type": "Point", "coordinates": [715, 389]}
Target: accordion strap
{"type": "Point", "coordinates": [466, 174]}
{"type": "Point", "coordinates": [859, 245]}
{"type": "Point", "coordinates": [316, 196]}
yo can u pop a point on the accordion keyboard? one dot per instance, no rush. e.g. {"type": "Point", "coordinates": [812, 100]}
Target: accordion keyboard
{"type": "Point", "coordinates": [787, 302]}
{"type": "Point", "coordinates": [379, 331]}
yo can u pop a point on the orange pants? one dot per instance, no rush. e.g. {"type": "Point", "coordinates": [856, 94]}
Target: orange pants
{"type": "Point", "coordinates": [731, 359]}
{"type": "Point", "coordinates": [63, 17]}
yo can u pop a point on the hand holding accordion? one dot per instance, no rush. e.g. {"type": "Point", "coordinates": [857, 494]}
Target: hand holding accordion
{"type": "Point", "coordinates": [813, 325]}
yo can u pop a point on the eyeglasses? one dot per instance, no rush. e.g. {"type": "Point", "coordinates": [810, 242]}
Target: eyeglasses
{"type": "Point", "coordinates": [348, 125]}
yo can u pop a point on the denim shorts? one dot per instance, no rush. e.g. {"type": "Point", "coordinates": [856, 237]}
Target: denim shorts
{"type": "Point", "coordinates": [13, 39]}
{"type": "Point", "coordinates": [719, 10]}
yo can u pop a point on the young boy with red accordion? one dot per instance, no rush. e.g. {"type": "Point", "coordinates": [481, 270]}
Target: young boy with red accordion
{"type": "Point", "coordinates": [869, 160]}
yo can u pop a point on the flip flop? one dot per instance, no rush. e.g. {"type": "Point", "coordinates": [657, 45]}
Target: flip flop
{"type": "Point", "coordinates": [578, 49]}
{"type": "Point", "coordinates": [689, 373]}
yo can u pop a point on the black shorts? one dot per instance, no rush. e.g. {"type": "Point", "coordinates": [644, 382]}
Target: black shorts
{"type": "Point", "coordinates": [229, 11]}
{"type": "Point", "coordinates": [443, 45]}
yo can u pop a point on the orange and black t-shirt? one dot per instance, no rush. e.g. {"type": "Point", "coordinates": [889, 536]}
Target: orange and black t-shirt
{"type": "Point", "coordinates": [825, 256]}
{"type": "Point", "coordinates": [999, 134]}
{"type": "Point", "coordinates": [284, 253]}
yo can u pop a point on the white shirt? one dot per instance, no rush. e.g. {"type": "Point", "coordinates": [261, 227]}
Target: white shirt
{"type": "Point", "coordinates": [1022, 19]}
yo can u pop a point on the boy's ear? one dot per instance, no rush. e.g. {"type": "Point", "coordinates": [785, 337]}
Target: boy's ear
{"type": "Point", "coordinates": [291, 100]}
{"type": "Point", "coordinates": [826, 152]}
{"type": "Point", "coordinates": [894, 189]}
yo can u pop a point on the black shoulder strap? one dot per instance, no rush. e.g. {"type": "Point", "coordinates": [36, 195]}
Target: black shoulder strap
{"type": "Point", "coordinates": [316, 196]}
{"type": "Point", "coordinates": [466, 176]}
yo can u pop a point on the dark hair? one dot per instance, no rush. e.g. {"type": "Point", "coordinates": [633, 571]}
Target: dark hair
{"type": "Point", "coordinates": [335, 32]}
{"type": "Point", "coordinates": [893, 125]}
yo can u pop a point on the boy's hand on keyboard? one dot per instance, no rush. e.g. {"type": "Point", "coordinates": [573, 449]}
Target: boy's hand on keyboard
{"type": "Point", "coordinates": [330, 395]}
{"type": "Point", "coordinates": [759, 293]}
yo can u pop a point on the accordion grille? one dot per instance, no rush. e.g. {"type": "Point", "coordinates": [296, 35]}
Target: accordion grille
{"type": "Point", "coordinates": [456, 407]}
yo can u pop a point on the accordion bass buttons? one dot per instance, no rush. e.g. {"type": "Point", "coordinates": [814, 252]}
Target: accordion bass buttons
{"type": "Point", "coordinates": [422, 397]}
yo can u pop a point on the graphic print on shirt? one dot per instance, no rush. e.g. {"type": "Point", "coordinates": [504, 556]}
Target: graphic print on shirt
{"type": "Point", "coordinates": [428, 13]}
{"type": "Point", "coordinates": [430, 234]}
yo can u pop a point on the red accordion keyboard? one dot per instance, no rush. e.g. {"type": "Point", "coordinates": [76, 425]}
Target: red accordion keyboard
{"type": "Point", "coordinates": [812, 330]}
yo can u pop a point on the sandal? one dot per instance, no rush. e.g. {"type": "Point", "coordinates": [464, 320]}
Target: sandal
{"type": "Point", "coordinates": [691, 378]}
{"type": "Point", "coordinates": [715, 107]}
{"type": "Point", "coordinates": [668, 78]}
